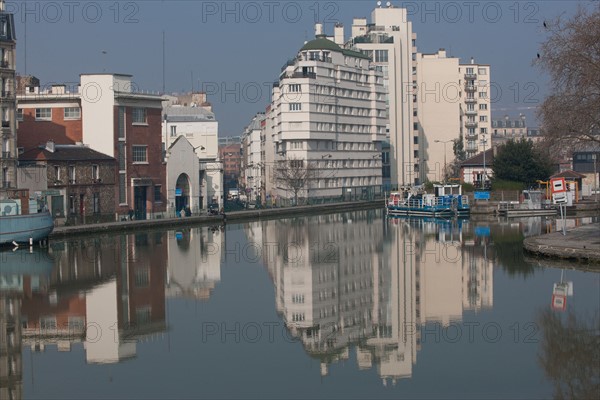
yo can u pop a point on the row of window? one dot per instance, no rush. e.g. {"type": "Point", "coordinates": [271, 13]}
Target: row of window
{"type": "Point", "coordinates": [72, 173]}
{"type": "Point", "coordinates": [139, 115]}
{"type": "Point", "coordinates": [355, 146]}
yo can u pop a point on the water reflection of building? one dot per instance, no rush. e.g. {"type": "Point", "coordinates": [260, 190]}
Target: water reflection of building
{"type": "Point", "coordinates": [335, 288]}
{"type": "Point", "coordinates": [194, 262]}
{"type": "Point", "coordinates": [106, 293]}
{"type": "Point", "coordinates": [22, 274]}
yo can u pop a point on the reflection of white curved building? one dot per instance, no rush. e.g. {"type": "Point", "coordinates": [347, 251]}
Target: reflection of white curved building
{"type": "Point", "coordinates": [334, 288]}
{"type": "Point", "coordinates": [194, 262]}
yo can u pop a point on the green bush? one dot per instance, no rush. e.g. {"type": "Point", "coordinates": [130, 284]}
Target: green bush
{"type": "Point", "coordinates": [467, 187]}
{"type": "Point", "coordinates": [499, 184]}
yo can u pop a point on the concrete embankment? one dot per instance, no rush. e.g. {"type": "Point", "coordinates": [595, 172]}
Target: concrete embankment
{"type": "Point", "coordinates": [173, 223]}
{"type": "Point", "coordinates": [580, 244]}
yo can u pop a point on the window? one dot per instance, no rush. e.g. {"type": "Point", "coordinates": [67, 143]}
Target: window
{"type": "Point", "coordinates": [142, 277]}
{"type": "Point", "coordinates": [482, 71]}
{"type": "Point", "coordinates": [173, 130]}
{"type": "Point", "coordinates": [96, 203]}
{"type": "Point", "coordinates": [482, 95]}
{"type": "Point", "coordinates": [295, 106]}
{"type": "Point", "coordinates": [47, 323]}
{"type": "Point", "coordinates": [72, 175]}
{"type": "Point", "coordinates": [72, 113]}
{"type": "Point", "coordinates": [381, 56]}
{"type": "Point", "coordinates": [139, 153]}
{"type": "Point", "coordinates": [95, 172]}
{"type": "Point", "coordinates": [43, 114]}
{"type": "Point", "coordinates": [157, 193]}
{"type": "Point", "coordinates": [143, 315]}
{"type": "Point", "coordinates": [483, 106]}
{"type": "Point", "coordinates": [295, 88]}
{"type": "Point", "coordinates": [57, 173]}
{"type": "Point", "coordinates": [483, 118]}
{"type": "Point", "coordinates": [139, 115]}
{"type": "Point", "coordinates": [20, 114]}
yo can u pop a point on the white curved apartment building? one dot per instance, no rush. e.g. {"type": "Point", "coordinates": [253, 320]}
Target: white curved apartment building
{"type": "Point", "coordinates": [329, 110]}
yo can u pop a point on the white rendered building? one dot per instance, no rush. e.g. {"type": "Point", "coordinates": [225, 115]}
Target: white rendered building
{"type": "Point", "coordinates": [390, 42]}
{"type": "Point", "coordinates": [476, 122]}
{"type": "Point", "coordinates": [329, 110]}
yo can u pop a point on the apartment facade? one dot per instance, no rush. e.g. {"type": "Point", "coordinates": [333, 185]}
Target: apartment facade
{"type": "Point", "coordinates": [388, 40]}
{"type": "Point", "coordinates": [509, 129]}
{"type": "Point", "coordinates": [254, 167]}
{"type": "Point", "coordinates": [476, 117]}
{"type": "Point", "coordinates": [8, 128]}
{"type": "Point", "coordinates": [330, 108]}
{"type": "Point", "coordinates": [110, 115]}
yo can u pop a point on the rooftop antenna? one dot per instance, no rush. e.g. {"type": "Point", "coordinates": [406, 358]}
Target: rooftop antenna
{"type": "Point", "coordinates": [164, 62]}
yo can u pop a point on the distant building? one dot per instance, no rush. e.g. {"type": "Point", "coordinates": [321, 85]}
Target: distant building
{"type": "Point", "coordinates": [108, 115]}
{"type": "Point", "coordinates": [80, 180]}
{"type": "Point", "coordinates": [227, 140]}
{"type": "Point", "coordinates": [509, 129]}
{"type": "Point", "coordinates": [231, 158]}
{"type": "Point", "coordinates": [253, 161]}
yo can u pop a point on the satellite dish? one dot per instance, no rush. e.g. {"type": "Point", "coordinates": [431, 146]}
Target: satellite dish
{"type": "Point", "coordinates": [379, 3]}
{"type": "Point", "coordinates": [389, 4]}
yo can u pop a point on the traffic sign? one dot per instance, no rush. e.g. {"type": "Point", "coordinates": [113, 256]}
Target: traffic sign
{"type": "Point", "coordinates": [558, 185]}
{"type": "Point", "coordinates": [559, 198]}
{"type": "Point", "coordinates": [559, 302]}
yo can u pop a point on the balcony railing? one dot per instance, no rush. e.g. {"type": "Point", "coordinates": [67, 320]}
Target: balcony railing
{"type": "Point", "coordinates": [6, 124]}
{"type": "Point", "coordinates": [6, 185]}
{"type": "Point", "coordinates": [470, 76]}
{"type": "Point", "coordinates": [303, 75]}
{"type": "Point", "coordinates": [471, 136]}
{"type": "Point", "coordinates": [471, 112]}
{"type": "Point", "coordinates": [470, 100]}
{"type": "Point", "coordinates": [6, 154]}
{"type": "Point", "coordinates": [471, 124]}
{"type": "Point", "coordinates": [470, 88]}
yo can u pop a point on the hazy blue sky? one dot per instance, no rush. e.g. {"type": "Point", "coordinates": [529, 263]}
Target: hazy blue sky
{"type": "Point", "coordinates": [236, 48]}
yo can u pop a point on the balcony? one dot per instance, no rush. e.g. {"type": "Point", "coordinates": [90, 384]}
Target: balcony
{"type": "Point", "coordinates": [4, 64]}
{"type": "Point", "coordinates": [471, 112]}
{"type": "Point", "coordinates": [470, 100]}
{"type": "Point", "coordinates": [6, 185]}
{"type": "Point", "coordinates": [6, 124]}
{"type": "Point", "coordinates": [470, 76]}
{"type": "Point", "coordinates": [6, 154]}
{"type": "Point", "coordinates": [471, 136]}
{"type": "Point", "coordinates": [471, 124]}
{"type": "Point", "coordinates": [303, 75]}
{"type": "Point", "coordinates": [470, 88]}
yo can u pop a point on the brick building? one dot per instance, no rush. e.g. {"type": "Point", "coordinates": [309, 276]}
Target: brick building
{"type": "Point", "coordinates": [81, 181]}
{"type": "Point", "coordinates": [110, 115]}
{"type": "Point", "coordinates": [231, 157]}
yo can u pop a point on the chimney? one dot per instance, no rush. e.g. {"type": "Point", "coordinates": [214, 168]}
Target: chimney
{"type": "Point", "coordinates": [58, 89]}
{"type": "Point", "coordinates": [472, 60]}
{"type": "Point", "coordinates": [318, 29]}
{"type": "Point", "coordinates": [50, 146]}
{"type": "Point", "coordinates": [339, 34]}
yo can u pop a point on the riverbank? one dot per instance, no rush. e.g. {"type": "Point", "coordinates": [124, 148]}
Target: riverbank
{"type": "Point", "coordinates": [237, 216]}
{"type": "Point", "coordinates": [579, 244]}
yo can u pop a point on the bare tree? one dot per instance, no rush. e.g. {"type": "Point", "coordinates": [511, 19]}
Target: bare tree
{"type": "Point", "coordinates": [295, 175]}
{"type": "Point", "coordinates": [570, 115]}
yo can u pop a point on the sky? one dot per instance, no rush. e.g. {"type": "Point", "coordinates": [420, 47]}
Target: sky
{"type": "Point", "coordinates": [234, 50]}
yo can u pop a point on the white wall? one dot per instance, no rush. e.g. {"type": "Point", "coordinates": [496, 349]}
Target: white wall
{"type": "Point", "coordinates": [181, 159]}
{"type": "Point", "coordinates": [97, 104]}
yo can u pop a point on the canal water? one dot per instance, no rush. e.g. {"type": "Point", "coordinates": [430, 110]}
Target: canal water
{"type": "Point", "coordinates": [351, 305]}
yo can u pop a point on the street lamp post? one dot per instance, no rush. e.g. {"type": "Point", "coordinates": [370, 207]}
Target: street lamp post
{"type": "Point", "coordinates": [444, 142]}
{"type": "Point", "coordinates": [483, 142]}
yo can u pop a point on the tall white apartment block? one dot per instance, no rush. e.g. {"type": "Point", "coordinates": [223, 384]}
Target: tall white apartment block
{"type": "Point", "coordinates": [330, 111]}
{"type": "Point", "coordinates": [390, 42]}
{"type": "Point", "coordinates": [254, 168]}
{"type": "Point", "coordinates": [476, 116]}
